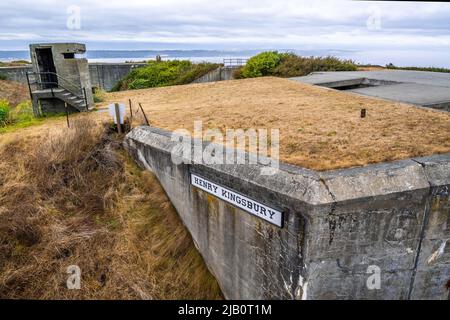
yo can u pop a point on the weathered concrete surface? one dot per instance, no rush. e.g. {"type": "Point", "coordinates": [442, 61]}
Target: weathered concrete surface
{"type": "Point", "coordinates": [106, 75]}
{"type": "Point", "coordinates": [428, 89]}
{"type": "Point", "coordinates": [219, 74]}
{"type": "Point", "coordinates": [394, 216]}
{"type": "Point", "coordinates": [102, 75]}
{"type": "Point", "coordinates": [18, 74]}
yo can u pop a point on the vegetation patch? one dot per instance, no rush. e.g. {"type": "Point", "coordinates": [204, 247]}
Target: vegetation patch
{"type": "Point", "coordinates": [430, 69]}
{"type": "Point", "coordinates": [99, 95]}
{"type": "Point", "coordinates": [320, 129]}
{"type": "Point", "coordinates": [14, 63]}
{"type": "Point", "coordinates": [286, 65]}
{"type": "Point", "coordinates": [77, 198]}
{"type": "Point", "coordinates": [164, 73]}
{"type": "Point", "coordinates": [20, 116]}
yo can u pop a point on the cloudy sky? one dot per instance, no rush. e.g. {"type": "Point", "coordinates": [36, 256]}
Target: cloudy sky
{"type": "Point", "coordinates": [230, 24]}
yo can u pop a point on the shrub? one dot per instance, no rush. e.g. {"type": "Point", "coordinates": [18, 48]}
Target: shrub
{"type": "Point", "coordinates": [2, 77]}
{"type": "Point", "coordinates": [195, 72]}
{"type": "Point", "coordinates": [23, 112]}
{"type": "Point", "coordinates": [237, 74]}
{"type": "Point", "coordinates": [4, 112]}
{"type": "Point", "coordinates": [262, 64]}
{"type": "Point", "coordinates": [164, 73]}
{"type": "Point", "coordinates": [99, 95]}
{"type": "Point", "coordinates": [295, 66]}
{"type": "Point", "coordinates": [430, 69]}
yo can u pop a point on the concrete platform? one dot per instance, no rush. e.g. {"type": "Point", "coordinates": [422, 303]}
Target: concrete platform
{"type": "Point", "coordinates": [428, 89]}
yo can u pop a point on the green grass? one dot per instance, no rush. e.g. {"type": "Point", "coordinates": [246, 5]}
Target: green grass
{"type": "Point", "coordinates": [22, 116]}
{"type": "Point", "coordinates": [14, 63]}
{"type": "Point", "coordinates": [99, 95]}
{"type": "Point", "coordinates": [164, 73]}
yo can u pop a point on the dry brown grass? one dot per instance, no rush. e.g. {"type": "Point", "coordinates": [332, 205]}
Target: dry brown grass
{"type": "Point", "coordinates": [77, 198]}
{"type": "Point", "coordinates": [13, 92]}
{"type": "Point", "coordinates": [319, 128]}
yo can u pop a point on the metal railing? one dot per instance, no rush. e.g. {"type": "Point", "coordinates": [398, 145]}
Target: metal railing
{"type": "Point", "coordinates": [54, 81]}
{"type": "Point", "coordinates": [234, 62]}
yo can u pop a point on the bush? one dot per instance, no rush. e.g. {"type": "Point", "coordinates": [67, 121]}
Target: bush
{"type": "Point", "coordinates": [99, 95]}
{"type": "Point", "coordinates": [237, 74]}
{"type": "Point", "coordinates": [430, 69]}
{"type": "Point", "coordinates": [164, 73]}
{"type": "Point", "coordinates": [295, 66]}
{"type": "Point", "coordinates": [4, 112]}
{"type": "Point", "coordinates": [262, 64]}
{"type": "Point", "coordinates": [23, 112]}
{"type": "Point", "coordinates": [195, 72]}
{"type": "Point", "coordinates": [290, 65]}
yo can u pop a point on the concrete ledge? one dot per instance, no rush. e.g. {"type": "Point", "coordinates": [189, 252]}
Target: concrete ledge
{"type": "Point", "coordinates": [394, 216]}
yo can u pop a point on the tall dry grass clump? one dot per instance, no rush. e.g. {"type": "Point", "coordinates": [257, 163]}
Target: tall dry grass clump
{"type": "Point", "coordinates": [77, 199]}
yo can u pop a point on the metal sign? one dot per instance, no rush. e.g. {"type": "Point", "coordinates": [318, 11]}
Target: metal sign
{"type": "Point", "coordinates": [112, 112]}
{"type": "Point", "coordinates": [242, 202]}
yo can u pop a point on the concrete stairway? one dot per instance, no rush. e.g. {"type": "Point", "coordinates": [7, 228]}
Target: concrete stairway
{"type": "Point", "coordinates": [77, 102]}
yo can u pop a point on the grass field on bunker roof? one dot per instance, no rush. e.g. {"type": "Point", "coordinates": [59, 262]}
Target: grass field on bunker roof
{"type": "Point", "coordinates": [319, 128]}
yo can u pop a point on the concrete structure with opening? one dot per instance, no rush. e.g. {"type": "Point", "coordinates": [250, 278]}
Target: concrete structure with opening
{"type": "Point", "coordinates": [60, 81]}
{"type": "Point", "coordinates": [420, 88]}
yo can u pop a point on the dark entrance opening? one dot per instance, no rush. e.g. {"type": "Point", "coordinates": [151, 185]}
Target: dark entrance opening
{"type": "Point", "coordinates": [46, 68]}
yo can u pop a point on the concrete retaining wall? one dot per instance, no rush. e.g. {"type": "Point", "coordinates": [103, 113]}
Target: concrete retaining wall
{"type": "Point", "coordinates": [18, 74]}
{"type": "Point", "coordinates": [106, 75]}
{"type": "Point", "coordinates": [393, 216]}
{"type": "Point", "coordinates": [103, 75]}
{"type": "Point", "coordinates": [218, 74]}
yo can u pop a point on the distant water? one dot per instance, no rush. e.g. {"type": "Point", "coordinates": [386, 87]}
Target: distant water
{"type": "Point", "coordinates": [420, 58]}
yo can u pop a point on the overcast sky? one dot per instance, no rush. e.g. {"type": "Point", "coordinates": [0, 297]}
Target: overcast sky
{"type": "Point", "coordinates": [230, 24]}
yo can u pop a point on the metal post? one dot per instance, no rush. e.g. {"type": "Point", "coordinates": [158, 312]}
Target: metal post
{"type": "Point", "coordinates": [67, 115]}
{"type": "Point", "coordinates": [119, 127]}
{"type": "Point", "coordinates": [85, 99]}
{"type": "Point", "coordinates": [131, 110]}
{"type": "Point", "coordinates": [29, 86]}
{"type": "Point", "coordinates": [146, 120]}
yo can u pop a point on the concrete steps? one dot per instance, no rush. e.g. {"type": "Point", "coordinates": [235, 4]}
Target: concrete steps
{"type": "Point", "coordinates": [77, 102]}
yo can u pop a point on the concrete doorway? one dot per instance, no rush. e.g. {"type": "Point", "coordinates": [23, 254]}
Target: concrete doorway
{"type": "Point", "coordinates": [47, 68]}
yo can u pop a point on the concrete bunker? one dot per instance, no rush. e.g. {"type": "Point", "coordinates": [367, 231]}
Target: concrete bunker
{"type": "Point", "coordinates": [340, 227]}
{"type": "Point", "coordinates": [60, 80]}
{"type": "Point", "coordinates": [420, 88]}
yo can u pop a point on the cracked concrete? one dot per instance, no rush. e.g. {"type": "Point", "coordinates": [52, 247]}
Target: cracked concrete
{"type": "Point", "coordinates": [336, 225]}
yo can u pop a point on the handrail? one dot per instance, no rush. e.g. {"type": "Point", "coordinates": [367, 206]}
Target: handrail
{"type": "Point", "coordinates": [80, 91]}
{"type": "Point", "coordinates": [234, 62]}
{"type": "Point", "coordinates": [68, 82]}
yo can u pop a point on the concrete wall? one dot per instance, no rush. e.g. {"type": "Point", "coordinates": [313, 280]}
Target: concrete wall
{"type": "Point", "coordinates": [218, 74]}
{"type": "Point", "coordinates": [18, 74]}
{"type": "Point", "coordinates": [336, 224]}
{"type": "Point", "coordinates": [106, 75]}
{"type": "Point", "coordinates": [102, 75]}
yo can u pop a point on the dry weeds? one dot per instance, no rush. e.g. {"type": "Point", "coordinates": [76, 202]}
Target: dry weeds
{"type": "Point", "coordinates": [319, 128]}
{"type": "Point", "coordinates": [13, 92]}
{"type": "Point", "coordinates": [77, 199]}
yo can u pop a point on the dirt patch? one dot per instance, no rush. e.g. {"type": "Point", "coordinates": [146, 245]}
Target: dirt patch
{"type": "Point", "coordinates": [13, 92]}
{"type": "Point", "coordinates": [319, 128]}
